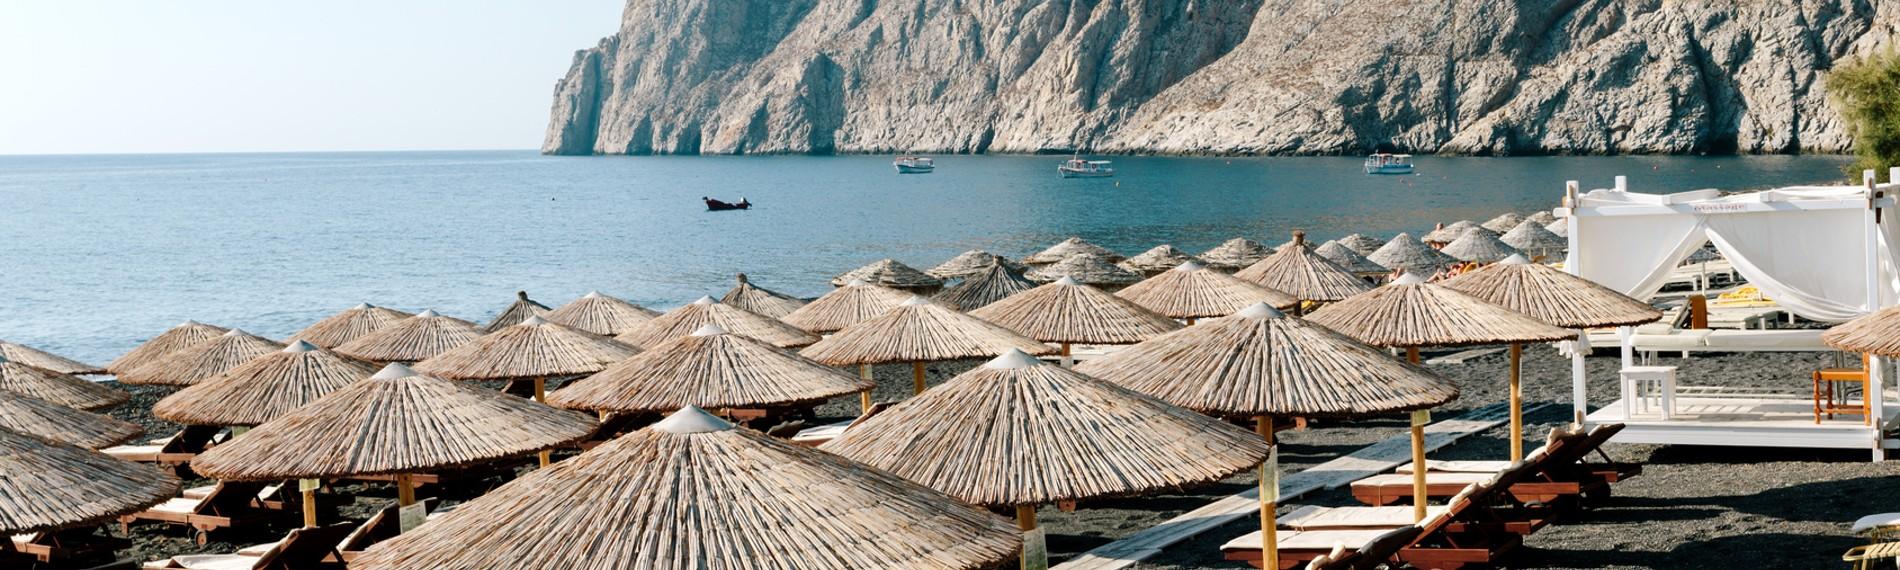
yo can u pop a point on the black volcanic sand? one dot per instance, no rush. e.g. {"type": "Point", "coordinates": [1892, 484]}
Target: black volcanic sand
{"type": "Point", "coordinates": [1693, 507]}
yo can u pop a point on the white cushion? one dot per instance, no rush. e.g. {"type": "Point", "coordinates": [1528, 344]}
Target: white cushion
{"type": "Point", "coordinates": [1871, 522]}
{"type": "Point", "coordinates": [1318, 518]}
{"type": "Point", "coordinates": [1323, 540]}
{"type": "Point", "coordinates": [178, 505]}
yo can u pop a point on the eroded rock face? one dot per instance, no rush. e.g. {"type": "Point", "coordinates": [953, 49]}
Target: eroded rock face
{"type": "Point", "coordinates": [1224, 77]}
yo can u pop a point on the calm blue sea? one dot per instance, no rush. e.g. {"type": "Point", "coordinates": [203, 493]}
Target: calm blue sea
{"type": "Point", "coordinates": [100, 252]}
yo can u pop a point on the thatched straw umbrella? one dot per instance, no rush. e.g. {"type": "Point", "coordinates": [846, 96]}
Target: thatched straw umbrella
{"type": "Point", "coordinates": [686, 319]}
{"type": "Point", "coordinates": [1503, 223]}
{"type": "Point", "coordinates": [1478, 245]}
{"type": "Point", "coordinates": [58, 387]}
{"type": "Point", "coordinates": [48, 486]}
{"type": "Point", "coordinates": [1261, 363]}
{"type": "Point", "coordinates": [1067, 312]}
{"type": "Point", "coordinates": [1087, 268]}
{"type": "Point", "coordinates": [1192, 292]}
{"type": "Point", "coordinates": [1156, 260]}
{"type": "Point", "coordinates": [1364, 244]}
{"type": "Point", "coordinates": [1069, 247]}
{"type": "Point", "coordinates": [1446, 234]}
{"type": "Point", "coordinates": [1349, 259]}
{"type": "Point", "coordinates": [1541, 217]}
{"type": "Point", "coordinates": [919, 331]}
{"type": "Point", "coordinates": [1019, 432]}
{"type": "Point", "coordinates": [844, 306]}
{"type": "Point", "coordinates": [760, 300]}
{"type": "Point", "coordinates": [710, 369]}
{"type": "Point", "coordinates": [991, 285]}
{"type": "Point", "coordinates": [396, 422]}
{"type": "Point", "coordinates": [349, 325]}
{"type": "Point", "coordinates": [412, 340]}
{"type": "Point", "coordinates": [536, 350]}
{"type": "Point", "coordinates": [179, 337]}
{"type": "Point", "coordinates": [1560, 227]}
{"type": "Point", "coordinates": [695, 491]}
{"type": "Point", "coordinates": [1300, 271]}
{"type": "Point", "coordinates": [37, 358]}
{"type": "Point", "coordinates": [62, 424]}
{"type": "Point", "coordinates": [891, 273]}
{"type": "Point", "coordinates": [201, 361]}
{"type": "Point", "coordinates": [1235, 254]}
{"type": "Point", "coordinates": [601, 314]}
{"type": "Point", "coordinates": [1876, 333]}
{"type": "Point", "coordinates": [518, 311]}
{"type": "Point", "coordinates": [971, 263]}
{"type": "Point", "coordinates": [1534, 240]}
{"type": "Point", "coordinates": [263, 388]}
{"type": "Point", "coordinates": [1403, 253]}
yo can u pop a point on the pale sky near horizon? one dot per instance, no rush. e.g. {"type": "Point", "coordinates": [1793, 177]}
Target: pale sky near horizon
{"type": "Point", "coordinates": [182, 76]}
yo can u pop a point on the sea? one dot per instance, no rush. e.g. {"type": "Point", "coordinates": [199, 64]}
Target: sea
{"type": "Point", "coordinates": [100, 252]}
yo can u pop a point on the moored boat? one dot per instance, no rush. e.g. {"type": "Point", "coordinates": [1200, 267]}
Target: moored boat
{"type": "Point", "coordinates": [914, 165]}
{"type": "Point", "coordinates": [1078, 168]}
{"type": "Point", "coordinates": [717, 205]}
{"type": "Point", "coordinates": [1382, 163]}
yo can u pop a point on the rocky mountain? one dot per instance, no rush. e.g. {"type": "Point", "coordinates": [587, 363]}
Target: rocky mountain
{"type": "Point", "coordinates": [1215, 76]}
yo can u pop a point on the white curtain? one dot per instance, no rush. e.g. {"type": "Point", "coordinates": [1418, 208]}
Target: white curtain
{"type": "Point", "coordinates": [1634, 254]}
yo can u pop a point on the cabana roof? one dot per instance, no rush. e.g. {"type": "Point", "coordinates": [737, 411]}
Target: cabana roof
{"type": "Point", "coordinates": [62, 424]}
{"type": "Point", "coordinates": [760, 300]}
{"type": "Point", "coordinates": [603, 315]}
{"type": "Point", "coordinates": [348, 325]}
{"type": "Point", "coordinates": [534, 348]}
{"type": "Point", "coordinates": [1068, 311]}
{"type": "Point", "coordinates": [50, 486]}
{"type": "Point", "coordinates": [1070, 247]}
{"type": "Point", "coordinates": [201, 361]}
{"type": "Point", "coordinates": [1234, 254]}
{"type": "Point", "coordinates": [1298, 270]}
{"type": "Point", "coordinates": [1411, 256]}
{"type": "Point", "coordinates": [34, 357]}
{"type": "Point", "coordinates": [1157, 259]}
{"type": "Point", "coordinates": [263, 388]}
{"type": "Point", "coordinates": [1191, 291]}
{"type": "Point", "coordinates": [1087, 268]}
{"type": "Point", "coordinates": [691, 317]}
{"type": "Point", "coordinates": [1478, 245]}
{"type": "Point", "coordinates": [58, 387]}
{"type": "Point", "coordinates": [845, 306]}
{"type": "Point", "coordinates": [518, 311]}
{"type": "Point", "coordinates": [1552, 296]}
{"type": "Point", "coordinates": [179, 337]}
{"type": "Point", "coordinates": [889, 273]}
{"type": "Point", "coordinates": [1410, 312]}
{"type": "Point", "coordinates": [919, 330]}
{"type": "Point", "coordinates": [413, 339]}
{"type": "Point", "coordinates": [971, 263]}
{"type": "Point", "coordinates": [708, 368]}
{"type": "Point", "coordinates": [989, 286]}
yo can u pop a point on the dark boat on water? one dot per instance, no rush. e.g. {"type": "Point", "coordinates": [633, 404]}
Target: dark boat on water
{"type": "Point", "coordinates": [716, 205]}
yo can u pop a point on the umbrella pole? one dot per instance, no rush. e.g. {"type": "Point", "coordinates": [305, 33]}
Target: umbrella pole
{"type": "Point", "coordinates": [405, 490]}
{"type": "Point", "coordinates": [1190, 321]}
{"type": "Point", "coordinates": [541, 395]}
{"type": "Point", "coordinates": [1517, 405]}
{"type": "Point", "coordinates": [1067, 361]}
{"type": "Point", "coordinates": [1269, 496]}
{"type": "Point", "coordinates": [864, 398]}
{"type": "Point", "coordinates": [1025, 521]}
{"type": "Point", "coordinates": [309, 488]}
{"type": "Point", "coordinates": [1418, 464]}
{"type": "Point", "coordinates": [917, 377]}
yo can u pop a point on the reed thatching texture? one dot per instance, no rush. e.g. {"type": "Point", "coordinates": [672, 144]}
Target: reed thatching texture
{"type": "Point", "coordinates": [695, 492]}
{"type": "Point", "coordinates": [891, 273]}
{"type": "Point", "coordinates": [50, 486]}
{"type": "Point", "coordinates": [920, 331]}
{"type": "Point", "coordinates": [1071, 312]}
{"type": "Point", "coordinates": [37, 358]}
{"type": "Point", "coordinates": [58, 387]}
{"type": "Point", "coordinates": [601, 314]}
{"type": "Point", "coordinates": [1300, 271]}
{"type": "Point", "coordinates": [1552, 296]}
{"type": "Point", "coordinates": [1410, 312]}
{"type": "Point", "coordinates": [1503, 223]}
{"type": "Point", "coordinates": [1260, 361]}
{"type": "Point", "coordinates": [1364, 244]}
{"type": "Point", "coordinates": [1409, 255]}
{"type": "Point", "coordinates": [1157, 259]}
{"type": "Point", "coordinates": [845, 306]}
{"type": "Point", "coordinates": [712, 369]}
{"type": "Point", "coordinates": [1235, 254]}
{"type": "Point", "coordinates": [1541, 217]}
{"type": "Point", "coordinates": [397, 421]}
{"type": "Point", "coordinates": [1876, 333]}
{"type": "Point", "coordinates": [264, 388]}
{"type": "Point", "coordinates": [62, 424]}
{"type": "Point", "coordinates": [1534, 240]}
{"type": "Point", "coordinates": [1087, 268]}
{"type": "Point", "coordinates": [1018, 431]}
{"type": "Point", "coordinates": [413, 339]}
{"type": "Point", "coordinates": [1070, 247]}
{"type": "Point", "coordinates": [202, 361]}
{"type": "Point", "coordinates": [1449, 233]}
{"type": "Point", "coordinates": [1478, 245]}
{"type": "Point", "coordinates": [1349, 259]}
{"type": "Point", "coordinates": [760, 300]}
{"type": "Point", "coordinates": [994, 284]}
{"type": "Point", "coordinates": [179, 337]}
{"type": "Point", "coordinates": [971, 263]}
{"type": "Point", "coordinates": [1191, 291]}
{"type": "Point", "coordinates": [1559, 227]}
{"type": "Point", "coordinates": [534, 348]}
{"type": "Point", "coordinates": [518, 311]}
{"type": "Point", "coordinates": [705, 311]}
{"type": "Point", "coordinates": [351, 324]}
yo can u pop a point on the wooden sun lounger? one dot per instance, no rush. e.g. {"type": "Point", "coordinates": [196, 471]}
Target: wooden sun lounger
{"type": "Point", "coordinates": [70, 547]}
{"type": "Point", "coordinates": [1370, 556]}
{"type": "Point", "coordinates": [302, 548]}
{"type": "Point", "coordinates": [228, 505]}
{"type": "Point", "coordinates": [1555, 476]}
{"type": "Point", "coordinates": [1607, 469]}
{"type": "Point", "coordinates": [1444, 539]}
{"type": "Point", "coordinates": [178, 449]}
{"type": "Point", "coordinates": [383, 525]}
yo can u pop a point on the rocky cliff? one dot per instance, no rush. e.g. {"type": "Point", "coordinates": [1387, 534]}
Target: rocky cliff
{"type": "Point", "coordinates": [1214, 76]}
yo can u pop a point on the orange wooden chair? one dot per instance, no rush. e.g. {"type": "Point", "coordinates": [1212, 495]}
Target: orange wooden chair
{"type": "Point", "coordinates": [1834, 386]}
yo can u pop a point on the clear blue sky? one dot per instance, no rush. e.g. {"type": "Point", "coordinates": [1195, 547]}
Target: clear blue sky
{"type": "Point", "coordinates": [162, 76]}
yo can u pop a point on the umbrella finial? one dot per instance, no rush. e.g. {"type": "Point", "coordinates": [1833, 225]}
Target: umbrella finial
{"type": "Point", "coordinates": [857, 283]}
{"type": "Point", "coordinates": [1515, 259]}
{"type": "Point", "coordinates": [742, 280]}
{"type": "Point", "coordinates": [522, 295]}
{"type": "Point", "coordinates": [428, 314]}
{"type": "Point", "coordinates": [300, 346]}
{"type": "Point", "coordinates": [362, 307]}
{"type": "Point", "coordinates": [709, 329]}
{"type": "Point", "coordinates": [915, 300]}
{"type": "Point", "coordinates": [395, 371]}
{"type": "Point", "coordinates": [532, 321]}
{"type": "Point", "coordinates": [1014, 359]}
{"type": "Point", "coordinates": [1408, 278]}
{"type": "Point", "coordinates": [1260, 311]}
{"type": "Point", "coordinates": [1299, 237]}
{"type": "Point", "coordinates": [235, 332]}
{"type": "Point", "coordinates": [690, 420]}
{"type": "Point", "coordinates": [704, 300]}
{"type": "Point", "coordinates": [1191, 265]}
{"type": "Point", "coordinates": [1067, 280]}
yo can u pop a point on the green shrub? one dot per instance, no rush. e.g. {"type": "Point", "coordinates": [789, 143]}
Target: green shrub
{"type": "Point", "coordinates": [1867, 91]}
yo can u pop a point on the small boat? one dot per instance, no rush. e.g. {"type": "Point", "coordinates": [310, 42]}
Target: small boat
{"type": "Point", "coordinates": [716, 205]}
{"type": "Point", "coordinates": [914, 165]}
{"type": "Point", "coordinates": [1078, 168]}
{"type": "Point", "coordinates": [1382, 163]}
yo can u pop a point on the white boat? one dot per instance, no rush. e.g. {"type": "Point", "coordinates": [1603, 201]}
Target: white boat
{"type": "Point", "coordinates": [1382, 163]}
{"type": "Point", "coordinates": [914, 165]}
{"type": "Point", "coordinates": [1078, 168]}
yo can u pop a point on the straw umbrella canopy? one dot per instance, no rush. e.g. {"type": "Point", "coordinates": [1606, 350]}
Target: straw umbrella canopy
{"type": "Point", "coordinates": [1541, 217]}
{"type": "Point", "coordinates": [413, 339]}
{"type": "Point", "coordinates": [1361, 243]}
{"type": "Point", "coordinates": [844, 306]}
{"type": "Point", "coordinates": [970, 263]}
{"type": "Point", "coordinates": [202, 361]}
{"type": "Point", "coordinates": [1503, 223]}
{"type": "Point", "coordinates": [684, 320]}
{"type": "Point", "coordinates": [179, 337]}
{"type": "Point", "coordinates": [264, 388]}
{"type": "Point", "coordinates": [1447, 234]}
{"type": "Point", "coordinates": [1158, 259]}
{"type": "Point", "coordinates": [760, 300]}
{"type": "Point", "coordinates": [1559, 227]}
{"type": "Point", "coordinates": [58, 387]}
{"type": "Point", "coordinates": [349, 325]}
{"type": "Point", "coordinates": [46, 485]}
{"type": "Point", "coordinates": [1533, 239]}
{"type": "Point", "coordinates": [1876, 333]}
{"type": "Point", "coordinates": [994, 284]}
{"type": "Point", "coordinates": [709, 368]}
{"type": "Point", "coordinates": [1349, 259]}
{"type": "Point", "coordinates": [62, 424]}
{"type": "Point", "coordinates": [1235, 254]}
{"type": "Point", "coordinates": [1087, 268]}
{"type": "Point", "coordinates": [1300, 271]}
{"type": "Point", "coordinates": [1406, 254]}
{"type": "Point", "coordinates": [601, 314]}
{"type": "Point", "coordinates": [891, 273]}
{"type": "Point", "coordinates": [535, 349]}
{"type": "Point", "coordinates": [1070, 247]}
{"type": "Point", "coordinates": [919, 331]}
{"type": "Point", "coordinates": [1067, 312]}
{"type": "Point", "coordinates": [1478, 245]}
{"type": "Point", "coordinates": [42, 359]}
{"type": "Point", "coordinates": [1192, 292]}
{"type": "Point", "coordinates": [518, 311]}
{"type": "Point", "coordinates": [695, 491]}
{"type": "Point", "coordinates": [1548, 294]}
